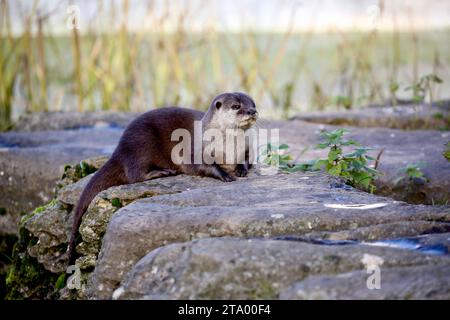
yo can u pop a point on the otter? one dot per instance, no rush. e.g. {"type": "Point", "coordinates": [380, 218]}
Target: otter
{"type": "Point", "coordinates": [145, 147]}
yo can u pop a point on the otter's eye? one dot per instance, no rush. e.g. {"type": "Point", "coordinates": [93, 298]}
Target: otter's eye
{"type": "Point", "coordinates": [235, 107]}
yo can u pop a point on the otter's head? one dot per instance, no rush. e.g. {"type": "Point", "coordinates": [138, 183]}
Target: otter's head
{"type": "Point", "coordinates": [234, 110]}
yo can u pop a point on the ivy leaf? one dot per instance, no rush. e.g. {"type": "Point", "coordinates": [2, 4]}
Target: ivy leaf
{"type": "Point", "coordinates": [358, 152]}
{"type": "Point", "coordinates": [414, 172]}
{"type": "Point", "coordinates": [320, 164]}
{"type": "Point", "coordinates": [334, 154]}
{"type": "Point", "coordinates": [298, 167]}
{"type": "Point", "coordinates": [364, 179]}
{"type": "Point", "coordinates": [349, 143]}
{"type": "Point", "coordinates": [322, 145]}
{"type": "Point", "coordinates": [285, 157]}
{"type": "Point", "coordinates": [372, 170]}
{"type": "Point", "coordinates": [306, 166]}
{"type": "Point", "coordinates": [335, 170]}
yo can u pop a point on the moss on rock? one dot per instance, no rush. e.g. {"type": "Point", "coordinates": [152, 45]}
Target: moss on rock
{"type": "Point", "coordinates": [36, 211]}
{"type": "Point", "coordinates": [26, 278]}
{"type": "Point", "coordinates": [74, 173]}
{"type": "Point", "coordinates": [116, 203]}
{"type": "Point", "coordinates": [6, 245]}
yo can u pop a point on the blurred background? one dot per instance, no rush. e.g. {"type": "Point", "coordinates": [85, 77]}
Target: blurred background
{"type": "Point", "coordinates": [291, 56]}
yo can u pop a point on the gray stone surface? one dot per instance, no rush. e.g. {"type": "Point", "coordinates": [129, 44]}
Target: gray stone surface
{"type": "Point", "coordinates": [407, 116]}
{"type": "Point", "coordinates": [51, 224]}
{"type": "Point", "coordinates": [406, 283]}
{"type": "Point", "coordinates": [422, 147]}
{"type": "Point", "coordinates": [260, 206]}
{"type": "Point", "coordinates": [228, 268]}
{"type": "Point", "coordinates": [32, 163]}
{"type": "Point", "coordinates": [57, 121]}
{"type": "Point", "coordinates": [127, 222]}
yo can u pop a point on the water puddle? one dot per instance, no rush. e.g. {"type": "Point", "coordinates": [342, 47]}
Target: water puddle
{"type": "Point", "coordinates": [99, 126]}
{"type": "Point", "coordinates": [423, 244]}
{"type": "Point", "coordinates": [6, 145]}
{"type": "Point", "coordinates": [317, 241]}
{"type": "Point", "coordinates": [413, 243]}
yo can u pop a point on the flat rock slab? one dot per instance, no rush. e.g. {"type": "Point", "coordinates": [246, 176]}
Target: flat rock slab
{"type": "Point", "coordinates": [259, 206]}
{"type": "Point", "coordinates": [421, 147]}
{"type": "Point", "coordinates": [57, 121]}
{"type": "Point", "coordinates": [227, 268]}
{"type": "Point", "coordinates": [51, 224]}
{"type": "Point", "coordinates": [396, 283]}
{"type": "Point", "coordinates": [32, 163]}
{"type": "Point", "coordinates": [409, 117]}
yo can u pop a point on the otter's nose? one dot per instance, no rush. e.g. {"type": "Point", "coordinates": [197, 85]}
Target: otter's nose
{"type": "Point", "coordinates": [251, 112]}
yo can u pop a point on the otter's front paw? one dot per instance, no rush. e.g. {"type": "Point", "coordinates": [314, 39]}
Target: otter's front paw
{"type": "Point", "coordinates": [241, 170]}
{"type": "Point", "coordinates": [226, 177]}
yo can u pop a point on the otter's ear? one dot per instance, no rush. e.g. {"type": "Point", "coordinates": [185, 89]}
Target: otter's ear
{"type": "Point", "coordinates": [218, 104]}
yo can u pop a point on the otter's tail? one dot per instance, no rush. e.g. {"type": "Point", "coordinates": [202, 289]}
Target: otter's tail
{"type": "Point", "coordinates": [111, 174]}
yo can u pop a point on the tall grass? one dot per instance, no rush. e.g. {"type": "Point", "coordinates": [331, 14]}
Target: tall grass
{"type": "Point", "coordinates": [9, 65]}
{"type": "Point", "coordinates": [119, 69]}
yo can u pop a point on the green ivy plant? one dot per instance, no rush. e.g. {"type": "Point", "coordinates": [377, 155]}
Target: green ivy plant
{"type": "Point", "coordinates": [352, 166]}
{"type": "Point", "coordinates": [412, 173]}
{"type": "Point", "coordinates": [276, 156]}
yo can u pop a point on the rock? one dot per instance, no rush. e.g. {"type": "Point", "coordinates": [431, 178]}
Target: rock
{"type": "Point", "coordinates": [398, 229]}
{"type": "Point", "coordinates": [157, 218]}
{"type": "Point", "coordinates": [127, 222]}
{"type": "Point", "coordinates": [286, 204]}
{"type": "Point", "coordinates": [396, 283]}
{"type": "Point", "coordinates": [409, 116]}
{"type": "Point", "coordinates": [26, 277]}
{"type": "Point", "coordinates": [97, 217]}
{"type": "Point", "coordinates": [31, 163]}
{"type": "Point", "coordinates": [227, 268]}
{"type": "Point", "coordinates": [420, 147]}
{"type": "Point", "coordinates": [51, 226]}
{"type": "Point", "coordinates": [51, 223]}
{"type": "Point", "coordinates": [43, 121]}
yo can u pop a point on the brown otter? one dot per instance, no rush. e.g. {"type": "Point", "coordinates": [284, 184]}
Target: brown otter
{"type": "Point", "coordinates": [144, 150]}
